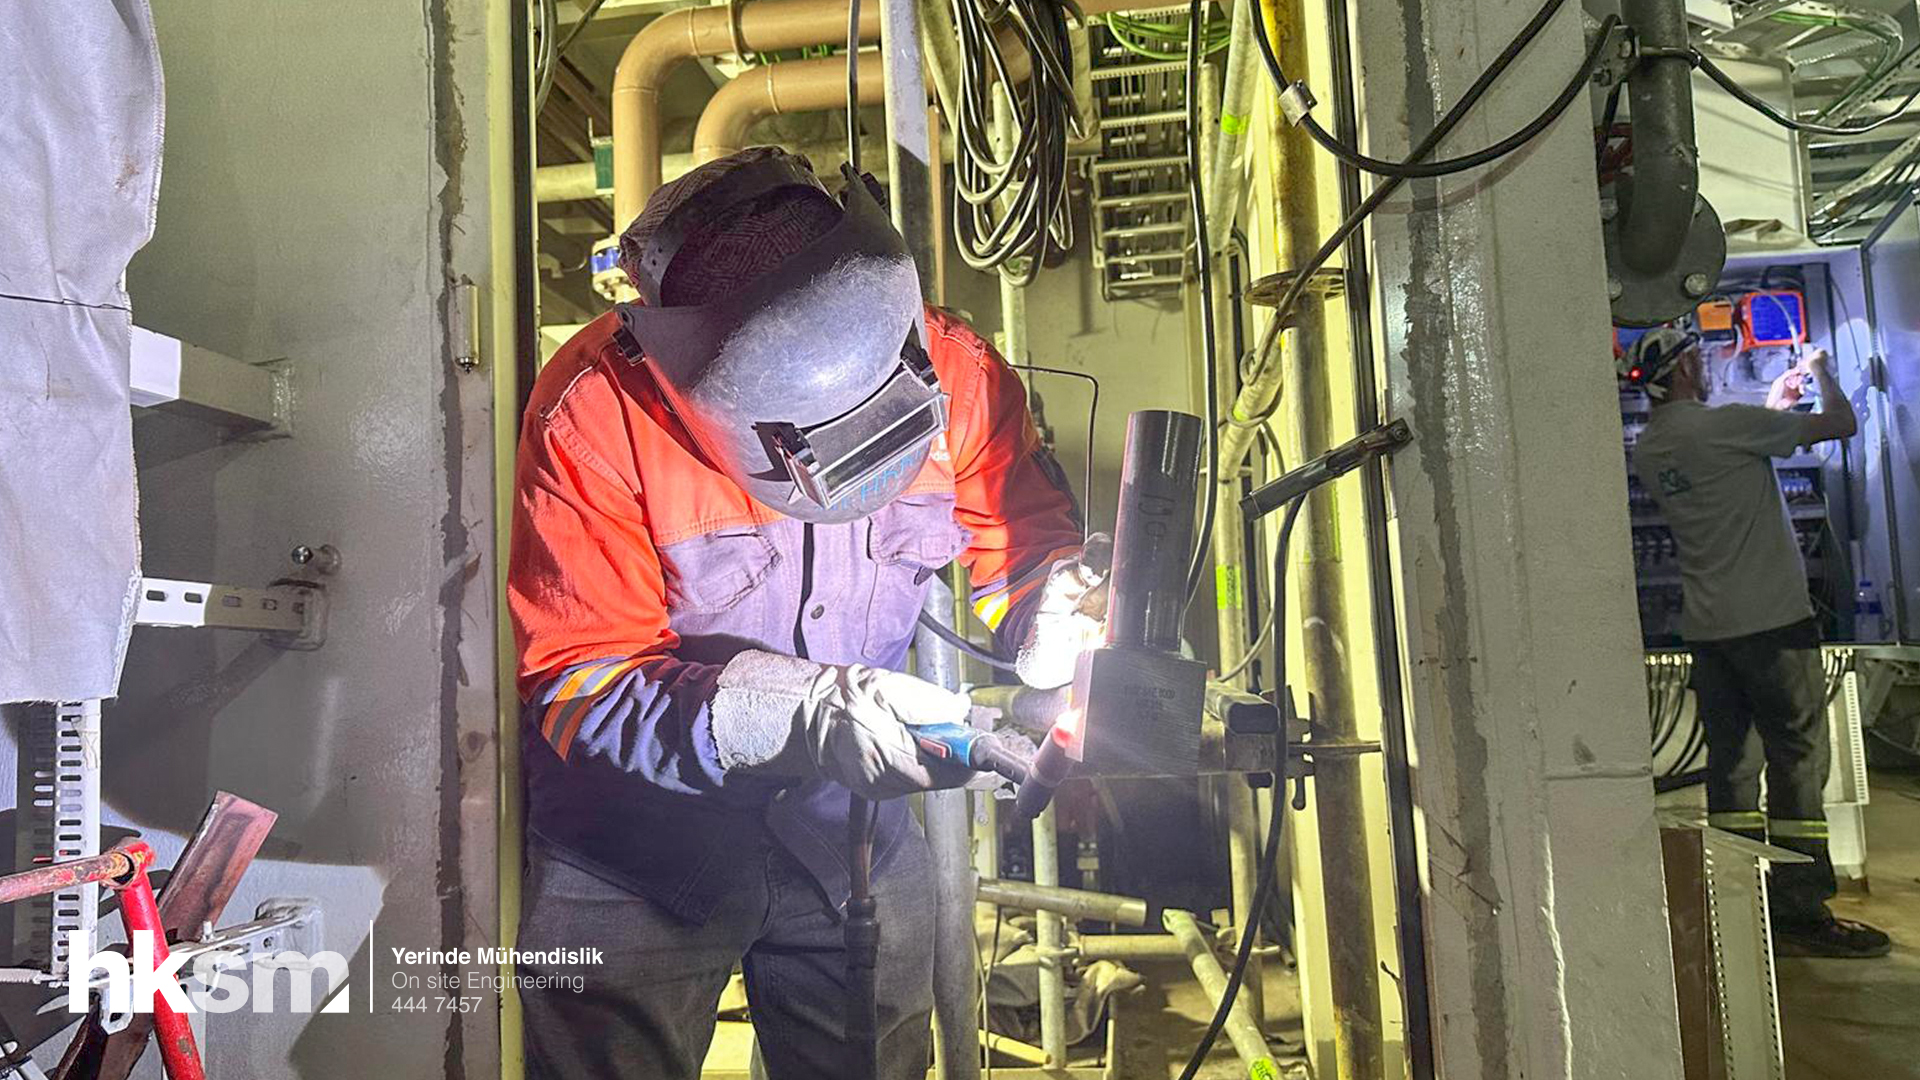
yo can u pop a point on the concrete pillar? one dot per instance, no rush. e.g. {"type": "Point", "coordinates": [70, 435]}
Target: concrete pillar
{"type": "Point", "coordinates": [1546, 915]}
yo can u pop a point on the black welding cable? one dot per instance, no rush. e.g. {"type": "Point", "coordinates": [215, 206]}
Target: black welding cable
{"type": "Point", "coordinates": [1441, 130]}
{"type": "Point", "coordinates": [853, 84]}
{"type": "Point", "coordinates": [1385, 189]}
{"type": "Point", "coordinates": [1746, 97]}
{"type": "Point", "coordinates": [954, 638]}
{"type": "Point", "coordinates": [1607, 117]}
{"type": "Point", "coordinates": [1277, 823]}
{"type": "Point", "coordinates": [1412, 168]}
{"type": "Point", "coordinates": [1203, 268]}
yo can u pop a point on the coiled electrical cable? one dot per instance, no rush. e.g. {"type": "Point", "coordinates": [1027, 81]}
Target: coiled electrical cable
{"type": "Point", "coordinates": [1012, 202]}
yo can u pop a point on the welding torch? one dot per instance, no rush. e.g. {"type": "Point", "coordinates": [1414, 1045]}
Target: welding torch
{"type": "Point", "coordinates": [1338, 461]}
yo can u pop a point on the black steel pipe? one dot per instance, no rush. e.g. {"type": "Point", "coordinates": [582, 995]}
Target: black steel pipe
{"type": "Point", "coordinates": [1658, 205]}
{"type": "Point", "coordinates": [1153, 531]}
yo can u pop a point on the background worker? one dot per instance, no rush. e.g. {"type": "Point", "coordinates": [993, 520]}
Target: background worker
{"type": "Point", "coordinates": [730, 500]}
{"type": "Point", "coordinates": [1757, 676]}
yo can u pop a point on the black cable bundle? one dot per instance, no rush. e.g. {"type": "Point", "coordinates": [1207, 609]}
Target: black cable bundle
{"type": "Point", "coordinates": [1030, 174]}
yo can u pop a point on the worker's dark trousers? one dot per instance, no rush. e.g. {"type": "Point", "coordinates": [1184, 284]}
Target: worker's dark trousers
{"type": "Point", "coordinates": [1762, 702]}
{"type": "Point", "coordinates": [647, 1013]}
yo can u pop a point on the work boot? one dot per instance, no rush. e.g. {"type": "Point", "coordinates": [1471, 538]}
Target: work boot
{"type": "Point", "coordinates": [1838, 938]}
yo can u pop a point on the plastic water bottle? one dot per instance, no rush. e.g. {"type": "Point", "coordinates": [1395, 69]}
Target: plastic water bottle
{"type": "Point", "coordinates": [1867, 621]}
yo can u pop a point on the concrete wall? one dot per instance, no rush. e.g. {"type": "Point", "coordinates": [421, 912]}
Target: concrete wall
{"type": "Point", "coordinates": [311, 177]}
{"type": "Point", "coordinates": [1550, 954]}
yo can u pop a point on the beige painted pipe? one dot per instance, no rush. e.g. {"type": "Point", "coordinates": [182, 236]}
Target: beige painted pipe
{"type": "Point", "coordinates": [803, 86]}
{"type": "Point", "coordinates": [773, 89]}
{"type": "Point", "coordinates": [764, 26]}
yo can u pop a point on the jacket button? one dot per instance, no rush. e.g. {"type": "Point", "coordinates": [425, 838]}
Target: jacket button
{"type": "Point", "coordinates": [818, 610]}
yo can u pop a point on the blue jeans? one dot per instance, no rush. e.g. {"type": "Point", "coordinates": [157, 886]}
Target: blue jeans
{"type": "Point", "coordinates": [648, 1010]}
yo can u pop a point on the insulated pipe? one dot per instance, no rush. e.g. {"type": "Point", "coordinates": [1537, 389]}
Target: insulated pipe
{"type": "Point", "coordinates": [763, 26]}
{"type": "Point", "coordinates": [1666, 162]}
{"type": "Point", "coordinates": [566, 183]}
{"type": "Point", "coordinates": [956, 980]}
{"type": "Point", "coordinates": [1241, 1028]}
{"type": "Point", "coordinates": [1226, 176]}
{"type": "Point", "coordinates": [1227, 544]}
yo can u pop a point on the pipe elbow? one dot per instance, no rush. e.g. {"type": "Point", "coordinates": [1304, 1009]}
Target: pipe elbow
{"type": "Point", "coordinates": [651, 54]}
{"type": "Point", "coordinates": [730, 113]}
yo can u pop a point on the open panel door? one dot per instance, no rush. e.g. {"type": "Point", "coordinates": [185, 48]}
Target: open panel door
{"type": "Point", "coordinates": [1890, 265]}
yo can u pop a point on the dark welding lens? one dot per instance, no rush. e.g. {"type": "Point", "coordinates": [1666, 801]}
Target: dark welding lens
{"type": "Point", "coordinates": [831, 459]}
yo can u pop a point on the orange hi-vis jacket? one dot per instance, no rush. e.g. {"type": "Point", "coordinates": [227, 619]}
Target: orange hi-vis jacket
{"type": "Point", "coordinates": [637, 571]}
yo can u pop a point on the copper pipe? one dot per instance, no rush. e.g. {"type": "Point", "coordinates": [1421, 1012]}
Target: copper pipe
{"type": "Point", "coordinates": [764, 26]}
{"type": "Point", "coordinates": [107, 867]}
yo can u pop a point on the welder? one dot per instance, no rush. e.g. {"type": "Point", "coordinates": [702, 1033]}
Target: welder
{"type": "Point", "coordinates": [731, 496]}
{"type": "Point", "coordinates": [1744, 613]}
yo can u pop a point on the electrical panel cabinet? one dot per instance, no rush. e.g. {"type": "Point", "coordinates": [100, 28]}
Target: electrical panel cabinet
{"type": "Point", "coordinates": [1752, 329]}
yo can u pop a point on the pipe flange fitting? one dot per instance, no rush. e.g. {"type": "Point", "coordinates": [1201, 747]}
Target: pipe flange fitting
{"type": "Point", "coordinates": [1642, 298]}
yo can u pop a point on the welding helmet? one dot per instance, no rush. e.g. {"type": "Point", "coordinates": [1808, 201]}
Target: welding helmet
{"type": "Point", "coordinates": [808, 384]}
{"type": "Point", "coordinates": [1649, 363]}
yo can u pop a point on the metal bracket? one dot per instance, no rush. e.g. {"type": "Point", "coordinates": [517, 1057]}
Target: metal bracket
{"type": "Point", "coordinates": [279, 924]}
{"type": "Point", "coordinates": [1618, 60]}
{"type": "Point", "coordinates": [292, 613]}
{"type": "Point", "coordinates": [1328, 282]}
{"type": "Point", "coordinates": [250, 400]}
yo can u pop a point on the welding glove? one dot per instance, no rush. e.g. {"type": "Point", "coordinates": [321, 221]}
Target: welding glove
{"type": "Point", "coordinates": [782, 716]}
{"type": "Point", "coordinates": [1070, 619]}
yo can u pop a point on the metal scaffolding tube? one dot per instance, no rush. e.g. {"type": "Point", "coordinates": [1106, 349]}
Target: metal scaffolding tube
{"type": "Point", "coordinates": [1076, 904]}
{"type": "Point", "coordinates": [1240, 1029]}
{"type": "Point", "coordinates": [956, 979]}
{"type": "Point", "coordinates": [1125, 947]}
{"type": "Point", "coordinates": [1051, 933]}
{"type": "Point", "coordinates": [1353, 962]}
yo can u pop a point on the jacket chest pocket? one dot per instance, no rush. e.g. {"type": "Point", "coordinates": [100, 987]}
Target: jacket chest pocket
{"type": "Point", "coordinates": [908, 541]}
{"type": "Point", "coordinates": [711, 575]}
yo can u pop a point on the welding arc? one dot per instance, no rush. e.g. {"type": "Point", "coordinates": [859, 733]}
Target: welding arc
{"type": "Point", "coordinates": [1270, 855]}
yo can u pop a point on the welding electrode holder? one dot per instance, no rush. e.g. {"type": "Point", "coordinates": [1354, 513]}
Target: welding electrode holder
{"type": "Point", "coordinates": [1338, 461]}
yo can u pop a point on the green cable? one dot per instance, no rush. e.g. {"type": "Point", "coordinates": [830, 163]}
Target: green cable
{"type": "Point", "coordinates": [1121, 27]}
{"type": "Point", "coordinates": [1886, 62]}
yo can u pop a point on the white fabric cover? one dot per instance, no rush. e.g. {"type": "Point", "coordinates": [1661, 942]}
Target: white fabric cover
{"type": "Point", "coordinates": [80, 124]}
